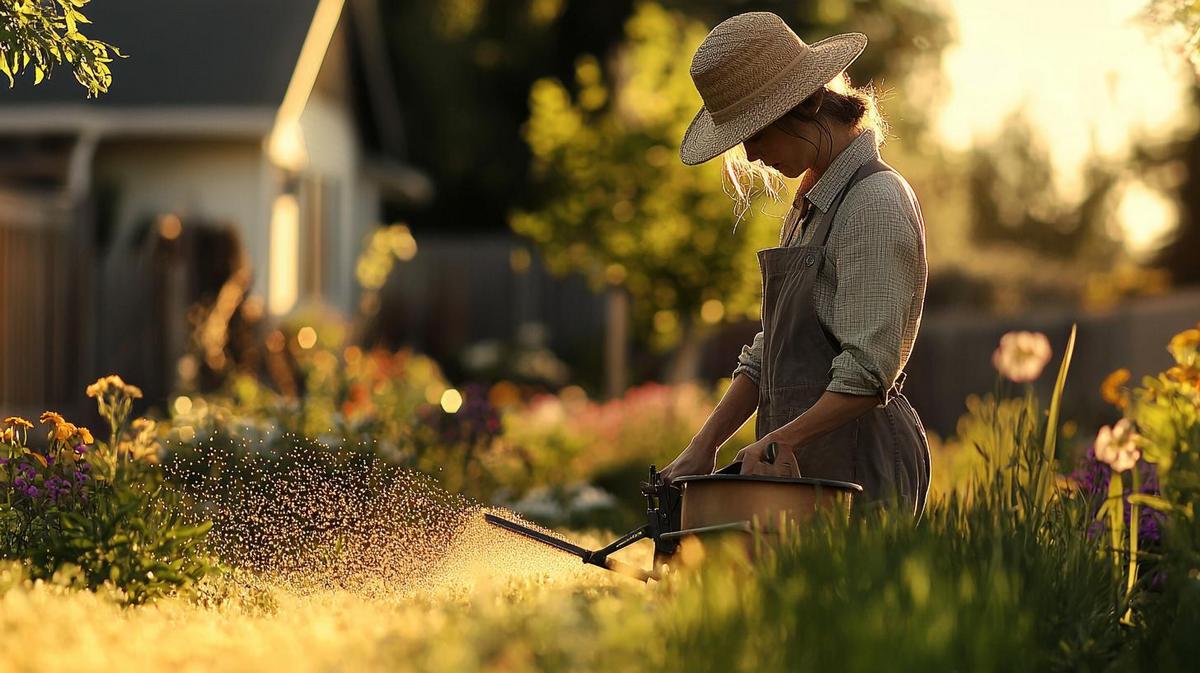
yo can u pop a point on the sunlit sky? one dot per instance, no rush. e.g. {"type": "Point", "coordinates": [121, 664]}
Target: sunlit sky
{"type": "Point", "coordinates": [1086, 72]}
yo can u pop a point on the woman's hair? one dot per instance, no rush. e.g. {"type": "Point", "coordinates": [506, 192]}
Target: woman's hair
{"type": "Point", "coordinates": [838, 101]}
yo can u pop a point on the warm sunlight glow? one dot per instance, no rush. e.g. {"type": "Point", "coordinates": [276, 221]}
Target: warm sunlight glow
{"type": "Point", "coordinates": [306, 337]}
{"type": "Point", "coordinates": [451, 401]}
{"type": "Point", "coordinates": [285, 146]}
{"type": "Point", "coordinates": [285, 254]}
{"type": "Point", "coordinates": [1146, 219]}
{"type": "Point", "coordinates": [1087, 72]}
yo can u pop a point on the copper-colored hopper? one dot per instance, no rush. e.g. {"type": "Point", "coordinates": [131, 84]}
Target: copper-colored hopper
{"type": "Point", "coordinates": [727, 500]}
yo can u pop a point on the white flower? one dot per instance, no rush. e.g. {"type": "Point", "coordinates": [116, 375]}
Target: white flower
{"type": "Point", "coordinates": [1021, 356]}
{"type": "Point", "coordinates": [1117, 446]}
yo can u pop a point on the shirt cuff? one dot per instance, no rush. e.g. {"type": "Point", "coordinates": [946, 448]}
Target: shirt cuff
{"type": "Point", "coordinates": [750, 359]}
{"type": "Point", "coordinates": [848, 375]}
{"type": "Point", "coordinates": [753, 372]}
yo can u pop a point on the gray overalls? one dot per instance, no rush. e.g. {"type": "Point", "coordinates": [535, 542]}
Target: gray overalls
{"type": "Point", "coordinates": [885, 450]}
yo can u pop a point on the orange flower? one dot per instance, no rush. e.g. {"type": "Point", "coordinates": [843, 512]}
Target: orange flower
{"type": "Point", "coordinates": [8, 436]}
{"type": "Point", "coordinates": [17, 422]}
{"type": "Point", "coordinates": [65, 431]}
{"type": "Point", "coordinates": [1181, 374]}
{"type": "Point", "coordinates": [49, 417]}
{"type": "Point", "coordinates": [1111, 388]}
{"type": "Point", "coordinates": [85, 435]}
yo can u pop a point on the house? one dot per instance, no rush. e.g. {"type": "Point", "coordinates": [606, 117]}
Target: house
{"type": "Point", "coordinates": [258, 138]}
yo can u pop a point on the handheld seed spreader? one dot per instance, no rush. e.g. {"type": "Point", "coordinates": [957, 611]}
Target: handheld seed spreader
{"type": "Point", "coordinates": [721, 502]}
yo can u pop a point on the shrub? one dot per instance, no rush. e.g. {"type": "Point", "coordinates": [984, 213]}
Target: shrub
{"type": "Point", "coordinates": [98, 512]}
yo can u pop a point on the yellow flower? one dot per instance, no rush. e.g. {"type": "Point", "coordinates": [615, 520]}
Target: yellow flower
{"type": "Point", "coordinates": [136, 450]}
{"type": "Point", "coordinates": [85, 435]}
{"type": "Point", "coordinates": [17, 422]}
{"type": "Point", "coordinates": [49, 417]}
{"type": "Point", "coordinates": [1110, 389]}
{"type": "Point", "coordinates": [8, 436]}
{"type": "Point", "coordinates": [112, 384]}
{"type": "Point", "coordinates": [1185, 348]}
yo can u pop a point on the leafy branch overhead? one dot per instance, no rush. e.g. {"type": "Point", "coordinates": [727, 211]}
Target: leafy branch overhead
{"type": "Point", "coordinates": [39, 35]}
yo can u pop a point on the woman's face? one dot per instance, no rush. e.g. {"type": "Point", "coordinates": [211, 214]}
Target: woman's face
{"type": "Point", "coordinates": [781, 150]}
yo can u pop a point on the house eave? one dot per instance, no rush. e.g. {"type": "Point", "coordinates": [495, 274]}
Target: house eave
{"type": "Point", "coordinates": [191, 121]}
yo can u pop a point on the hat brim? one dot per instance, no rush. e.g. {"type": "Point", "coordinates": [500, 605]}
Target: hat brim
{"type": "Point", "coordinates": [705, 139]}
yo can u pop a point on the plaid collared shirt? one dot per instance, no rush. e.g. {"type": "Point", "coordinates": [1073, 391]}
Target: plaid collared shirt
{"type": "Point", "coordinates": [871, 290]}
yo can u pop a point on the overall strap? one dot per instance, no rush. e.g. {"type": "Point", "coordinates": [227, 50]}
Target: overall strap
{"type": "Point", "coordinates": [871, 167]}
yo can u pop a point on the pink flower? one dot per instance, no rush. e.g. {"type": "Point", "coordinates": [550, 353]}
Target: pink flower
{"type": "Point", "coordinates": [1117, 446]}
{"type": "Point", "coordinates": [1021, 356]}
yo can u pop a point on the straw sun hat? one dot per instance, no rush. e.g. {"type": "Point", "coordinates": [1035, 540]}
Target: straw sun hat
{"type": "Point", "coordinates": [750, 70]}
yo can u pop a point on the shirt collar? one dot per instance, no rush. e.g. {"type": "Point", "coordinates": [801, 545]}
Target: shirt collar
{"type": "Point", "coordinates": [860, 150]}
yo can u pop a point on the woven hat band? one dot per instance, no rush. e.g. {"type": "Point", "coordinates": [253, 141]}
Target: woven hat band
{"type": "Point", "coordinates": [729, 111]}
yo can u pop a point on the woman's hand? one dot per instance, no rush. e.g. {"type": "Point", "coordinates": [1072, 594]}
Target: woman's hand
{"type": "Point", "coordinates": [779, 461]}
{"type": "Point", "coordinates": [695, 459]}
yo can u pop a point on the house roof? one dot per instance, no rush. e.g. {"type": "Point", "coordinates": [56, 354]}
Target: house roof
{"type": "Point", "coordinates": [221, 53]}
{"type": "Point", "coordinates": [211, 68]}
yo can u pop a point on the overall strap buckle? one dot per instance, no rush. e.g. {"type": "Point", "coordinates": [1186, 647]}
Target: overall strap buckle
{"type": "Point", "coordinates": [895, 389]}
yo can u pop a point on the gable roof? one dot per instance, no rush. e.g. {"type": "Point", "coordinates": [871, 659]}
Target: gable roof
{"type": "Point", "coordinates": [221, 53]}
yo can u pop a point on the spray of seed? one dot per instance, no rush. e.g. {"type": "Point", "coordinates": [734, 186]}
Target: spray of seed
{"type": "Point", "coordinates": [312, 520]}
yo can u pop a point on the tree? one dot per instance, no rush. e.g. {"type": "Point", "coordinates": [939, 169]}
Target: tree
{"type": "Point", "coordinates": [620, 207]}
{"type": "Point", "coordinates": [39, 35]}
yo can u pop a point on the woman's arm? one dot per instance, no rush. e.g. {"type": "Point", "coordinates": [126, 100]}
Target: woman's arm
{"type": "Point", "coordinates": [700, 456]}
{"type": "Point", "coordinates": [829, 413]}
{"type": "Point", "coordinates": [739, 401]}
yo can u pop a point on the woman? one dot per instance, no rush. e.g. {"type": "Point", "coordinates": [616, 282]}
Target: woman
{"type": "Point", "coordinates": [843, 294]}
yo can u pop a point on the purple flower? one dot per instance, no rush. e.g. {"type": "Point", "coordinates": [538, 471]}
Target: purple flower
{"type": "Point", "coordinates": [1093, 477]}
{"type": "Point", "coordinates": [80, 449]}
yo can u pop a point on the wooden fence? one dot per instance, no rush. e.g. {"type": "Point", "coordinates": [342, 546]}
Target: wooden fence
{"type": "Point", "coordinates": [43, 313]}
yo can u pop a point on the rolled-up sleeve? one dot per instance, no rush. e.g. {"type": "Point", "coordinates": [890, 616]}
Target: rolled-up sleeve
{"type": "Point", "coordinates": [876, 255]}
{"type": "Point", "coordinates": [749, 362]}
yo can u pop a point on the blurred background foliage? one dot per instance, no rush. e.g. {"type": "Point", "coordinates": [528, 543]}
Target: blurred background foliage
{"type": "Point", "coordinates": [599, 95]}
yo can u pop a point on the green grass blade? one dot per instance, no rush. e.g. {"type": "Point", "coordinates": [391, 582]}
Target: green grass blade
{"type": "Point", "coordinates": [1056, 398]}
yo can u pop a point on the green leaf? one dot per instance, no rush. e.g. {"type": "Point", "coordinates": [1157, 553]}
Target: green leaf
{"type": "Point", "coordinates": [5, 69]}
{"type": "Point", "coordinates": [38, 74]}
{"type": "Point", "coordinates": [1154, 501]}
{"type": "Point", "coordinates": [1056, 398]}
